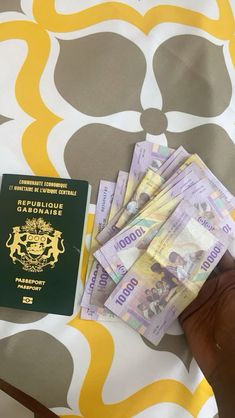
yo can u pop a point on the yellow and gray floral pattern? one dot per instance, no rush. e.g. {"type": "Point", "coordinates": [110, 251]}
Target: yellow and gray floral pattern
{"type": "Point", "coordinates": [81, 82]}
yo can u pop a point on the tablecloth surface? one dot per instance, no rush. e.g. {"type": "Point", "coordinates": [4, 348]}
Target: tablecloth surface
{"type": "Point", "coordinates": [80, 83]}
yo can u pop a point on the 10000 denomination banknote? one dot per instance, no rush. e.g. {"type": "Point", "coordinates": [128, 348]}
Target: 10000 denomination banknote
{"type": "Point", "coordinates": [104, 200]}
{"type": "Point", "coordinates": [166, 278]}
{"type": "Point", "coordinates": [119, 193]}
{"type": "Point", "coordinates": [146, 154]}
{"type": "Point", "coordinates": [103, 285]}
{"type": "Point", "coordinates": [105, 197]}
{"type": "Point", "coordinates": [148, 186]}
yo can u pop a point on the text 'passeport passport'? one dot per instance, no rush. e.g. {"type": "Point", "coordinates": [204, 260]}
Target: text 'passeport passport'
{"type": "Point", "coordinates": [42, 222]}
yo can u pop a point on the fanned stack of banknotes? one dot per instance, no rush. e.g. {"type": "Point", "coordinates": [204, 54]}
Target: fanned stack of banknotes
{"type": "Point", "coordinates": [159, 231]}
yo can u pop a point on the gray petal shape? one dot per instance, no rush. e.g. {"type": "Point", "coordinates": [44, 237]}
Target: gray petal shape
{"type": "Point", "coordinates": [100, 74]}
{"type": "Point", "coordinates": [10, 5]}
{"type": "Point", "coordinates": [3, 119]}
{"type": "Point", "coordinates": [18, 316]}
{"type": "Point", "coordinates": [98, 152]}
{"type": "Point", "coordinates": [199, 83]}
{"type": "Point", "coordinates": [213, 145]}
{"type": "Point", "coordinates": [175, 344]}
{"type": "Point", "coordinates": [39, 365]}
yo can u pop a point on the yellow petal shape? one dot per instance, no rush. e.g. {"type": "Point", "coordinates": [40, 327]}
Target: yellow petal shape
{"type": "Point", "coordinates": [27, 90]}
{"type": "Point", "coordinates": [46, 15]}
{"type": "Point", "coordinates": [232, 49]}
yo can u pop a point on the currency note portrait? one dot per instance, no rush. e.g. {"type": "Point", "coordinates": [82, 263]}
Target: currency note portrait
{"type": "Point", "coordinates": [183, 254]}
{"type": "Point", "coordinates": [182, 263]}
{"type": "Point", "coordinates": [143, 293]}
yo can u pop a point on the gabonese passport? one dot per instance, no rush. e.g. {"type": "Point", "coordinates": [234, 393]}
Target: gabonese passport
{"type": "Point", "coordinates": [42, 221]}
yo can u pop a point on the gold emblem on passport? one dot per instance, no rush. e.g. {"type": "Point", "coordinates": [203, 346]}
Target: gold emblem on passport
{"type": "Point", "coordinates": [28, 300]}
{"type": "Point", "coordinates": [35, 245]}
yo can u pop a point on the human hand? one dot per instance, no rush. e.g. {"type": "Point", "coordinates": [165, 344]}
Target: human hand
{"type": "Point", "coordinates": [209, 326]}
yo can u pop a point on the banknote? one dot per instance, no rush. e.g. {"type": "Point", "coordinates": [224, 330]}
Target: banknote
{"type": "Point", "coordinates": [149, 185]}
{"type": "Point", "coordinates": [222, 192]}
{"type": "Point", "coordinates": [169, 275]}
{"type": "Point", "coordinates": [191, 175]}
{"type": "Point", "coordinates": [119, 193]}
{"type": "Point", "coordinates": [94, 313]}
{"type": "Point", "coordinates": [146, 155]}
{"type": "Point", "coordinates": [118, 254]}
{"type": "Point", "coordinates": [194, 163]}
{"type": "Point", "coordinates": [173, 162]}
{"type": "Point", "coordinates": [183, 175]}
{"type": "Point", "coordinates": [104, 201]}
{"type": "Point", "coordinates": [181, 170]}
{"type": "Point", "coordinates": [85, 303]}
{"type": "Point", "coordinates": [225, 194]}
{"type": "Point", "coordinates": [184, 235]}
{"type": "Point", "coordinates": [103, 285]}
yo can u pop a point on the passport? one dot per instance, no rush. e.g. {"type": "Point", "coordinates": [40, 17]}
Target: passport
{"type": "Point", "coordinates": [42, 223]}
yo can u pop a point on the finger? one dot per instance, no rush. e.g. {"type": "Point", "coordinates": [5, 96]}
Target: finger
{"type": "Point", "coordinates": [226, 263]}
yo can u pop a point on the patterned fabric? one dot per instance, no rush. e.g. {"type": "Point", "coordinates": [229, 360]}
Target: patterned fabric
{"type": "Point", "coordinates": [81, 82]}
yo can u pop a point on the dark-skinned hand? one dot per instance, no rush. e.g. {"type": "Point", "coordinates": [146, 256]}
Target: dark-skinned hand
{"type": "Point", "coordinates": [209, 326]}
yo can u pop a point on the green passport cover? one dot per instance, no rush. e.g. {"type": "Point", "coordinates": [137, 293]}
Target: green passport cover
{"type": "Point", "coordinates": [42, 222]}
